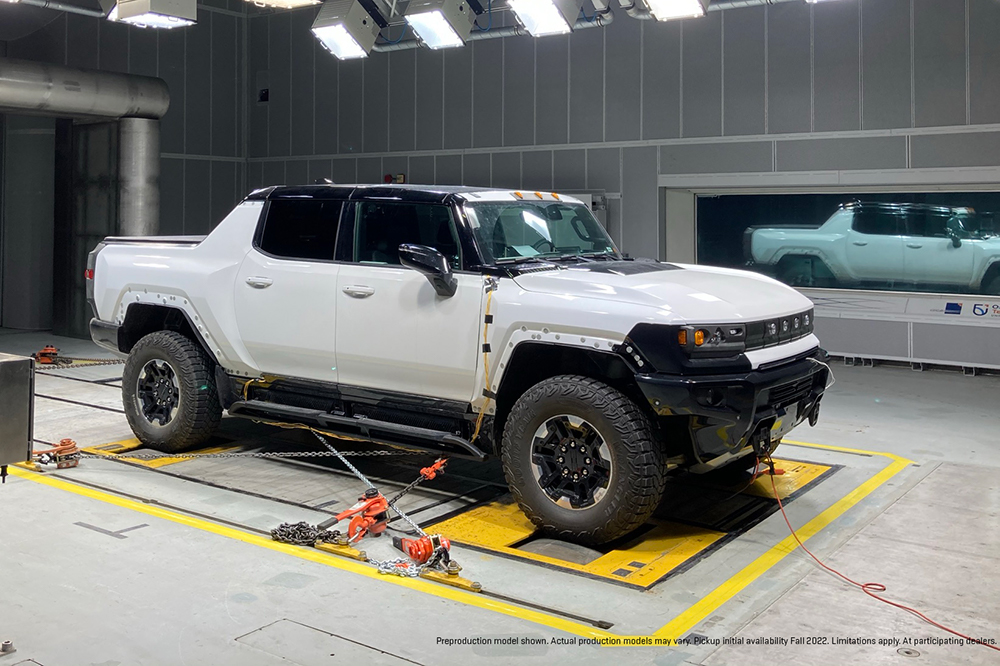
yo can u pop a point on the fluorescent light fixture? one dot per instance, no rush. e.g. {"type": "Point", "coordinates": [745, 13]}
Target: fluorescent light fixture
{"type": "Point", "coordinates": [546, 17]}
{"type": "Point", "coordinates": [441, 24]}
{"type": "Point", "coordinates": [666, 10]}
{"type": "Point", "coordinates": [348, 28]}
{"type": "Point", "coordinates": [285, 4]}
{"type": "Point", "coordinates": [155, 13]}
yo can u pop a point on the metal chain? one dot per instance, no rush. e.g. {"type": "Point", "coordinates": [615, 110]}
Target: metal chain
{"type": "Point", "coordinates": [64, 363]}
{"type": "Point", "coordinates": [303, 534]}
{"type": "Point", "coordinates": [252, 454]}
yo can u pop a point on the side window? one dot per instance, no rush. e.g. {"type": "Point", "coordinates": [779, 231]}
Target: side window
{"type": "Point", "coordinates": [929, 223]}
{"type": "Point", "coordinates": [300, 229]}
{"type": "Point", "coordinates": [383, 227]}
{"type": "Point", "coordinates": [876, 222]}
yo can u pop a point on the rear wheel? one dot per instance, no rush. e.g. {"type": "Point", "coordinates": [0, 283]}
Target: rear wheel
{"type": "Point", "coordinates": [169, 393]}
{"type": "Point", "coordinates": [992, 286]}
{"type": "Point", "coordinates": [581, 461]}
{"type": "Point", "coordinates": [797, 271]}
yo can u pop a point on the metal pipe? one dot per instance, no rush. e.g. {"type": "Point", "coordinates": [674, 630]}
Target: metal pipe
{"type": "Point", "coordinates": [41, 88]}
{"type": "Point", "coordinates": [600, 20]}
{"type": "Point", "coordinates": [138, 177]}
{"type": "Point", "coordinates": [62, 7]}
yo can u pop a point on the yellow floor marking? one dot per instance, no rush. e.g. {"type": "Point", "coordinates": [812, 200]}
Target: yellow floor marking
{"type": "Point", "coordinates": [797, 476]}
{"type": "Point", "coordinates": [676, 628]}
{"type": "Point", "coordinates": [126, 445]}
{"type": "Point", "coordinates": [497, 526]}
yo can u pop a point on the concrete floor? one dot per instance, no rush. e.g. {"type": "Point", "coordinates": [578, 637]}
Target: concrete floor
{"type": "Point", "coordinates": [117, 564]}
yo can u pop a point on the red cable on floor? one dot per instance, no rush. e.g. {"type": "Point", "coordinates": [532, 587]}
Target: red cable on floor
{"type": "Point", "coordinates": [868, 588]}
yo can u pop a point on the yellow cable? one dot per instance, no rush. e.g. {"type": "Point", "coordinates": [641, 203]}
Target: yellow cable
{"type": "Point", "coordinates": [486, 365]}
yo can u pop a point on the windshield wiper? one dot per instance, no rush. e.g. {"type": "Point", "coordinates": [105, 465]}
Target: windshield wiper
{"type": "Point", "coordinates": [523, 260]}
{"type": "Point", "coordinates": [598, 255]}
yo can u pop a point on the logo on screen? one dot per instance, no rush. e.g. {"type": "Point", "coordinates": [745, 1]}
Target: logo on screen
{"type": "Point", "coordinates": [980, 309]}
{"type": "Point", "coordinates": [953, 308]}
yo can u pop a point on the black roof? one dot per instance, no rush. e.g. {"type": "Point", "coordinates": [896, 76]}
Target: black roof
{"type": "Point", "coordinates": [420, 193]}
{"type": "Point", "coordinates": [886, 205]}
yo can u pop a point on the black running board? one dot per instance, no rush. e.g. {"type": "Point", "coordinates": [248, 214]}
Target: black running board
{"type": "Point", "coordinates": [378, 432]}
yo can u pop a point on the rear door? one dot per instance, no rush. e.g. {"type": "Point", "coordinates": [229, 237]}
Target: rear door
{"type": "Point", "coordinates": [394, 332]}
{"type": "Point", "coordinates": [930, 255]}
{"type": "Point", "coordinates": [875, 245]}
{"type": "Point", "coordinates": [285, 294]}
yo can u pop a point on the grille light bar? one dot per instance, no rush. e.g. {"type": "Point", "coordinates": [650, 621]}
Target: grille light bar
{"type": "Point", "coordinates": [164, 14]}
{"type": "Point", "coordinates": [347, 29]}
{"type": "Point", "coordinates": [666, 10]}
{"type": "Point", "coordinates": [441, 24]}
{"type": "Point", "coordinates": [546, 17]}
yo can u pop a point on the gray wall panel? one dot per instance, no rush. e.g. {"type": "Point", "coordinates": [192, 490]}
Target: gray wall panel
{"type": "Point", "coordinates": [171, 196]}
{"type": "Point", "coordinates": [861, 336]}
{"type": "Point", "coordinates": [172, 71]}
{"type": "Point", "coordinates": [506, 170]}
{"type": "Point", "coordinates": [349, 106]}
{"type": "Point", "coordinates": [225, 74]}
{"type": "Point", "coordinates": [661, 79]}
{"type": "Point", "coordinates": [984, 61]}
{"type": "Point", "coordinates": [717, 158]}
{"type": "Point", "coordinates": [886, 63]}
{"type": "Point", "coordinates": [789, 68]}
{"type": "Point", "coordinates": [966, 345]}
{"type": "Point", "coordinates": [279, 65]}
{"type": "Point", "coordinates": [422, 170]}
{"type": "Point", "coordinates": [955, 150]}
{"type": "Point", "coordinates": [586, 86]}
{"type": "Point", "coordinates": [319, 169]}
{"type": "Point", "coordinates": [325, 100]}
{"type": "Point", "coordinates": [487, 99]}
{"type": "Point", "coordinates": [258, 76]}
{"type": "Point", "coordinates": [47, 44]}
{"type": "Point", "coordinates": [402, 98]}
{"type": "Point", "coordinates": [570, 167]}
{"type": "Point", "coordinates": [887, 152]}
{"type": "Point", "coordinates": [198, 94]}
{"type": "Point", "coordinates": [448, 170]}
{"type": "Point", "coordinates": [196, 197]}
{"type": "Point", "coordinates": [370, 170]}
{"type": "Point", "coordinates": [536, 170]}
{"type": "Point", "coordinates": [430, 105]}
{"type": "Point", "coordinates": [376, 104]}
{"type": "Point", "coordinates": [142, 52]}
{"type": "Point", "coordinates": [702, 76]}
{"type": "Point", "coordinates": [476, 170]}
{"type": "Point", "coordinates": [223, 191]}
{"type": "Point", "coordinates": [837, 66]}
{"type": "Point", "coordinates": [457, 99]}
{"type": "Point", "coordinates": [344, 170]}
{"type": "Point", "coordinates": [303, 85]}
{"type": "Point", "coordinates": [604, 169]}
{"type": "Point", "coordinates": [297, 172]}
{"type": "Point", "coordinates": [552, 90]}
{"type": "Point", "coordinates": [518, 93]}
{"type": "Point", "coordinates": [274, 174]}
{"type": "Point", "coordinates": [623, 105]}
{"type": "Point", "coordinates": [255, 180]}
{"type": "Point", "coordinates": [114, 55]}
{"type": "Point", "coordinates": [640, 203]}
{"type": "Point", "coordinates": [82, 42]}
{"type": "Point", "coordinates": [938, 63]}
{"type": "Point", "coordinates": [743, 81]}
{"type": "Point", "coordinates": [396, 164]}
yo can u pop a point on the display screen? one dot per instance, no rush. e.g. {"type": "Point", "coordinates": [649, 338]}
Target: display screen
{"type": "Point", "coordinates": [934, 242]}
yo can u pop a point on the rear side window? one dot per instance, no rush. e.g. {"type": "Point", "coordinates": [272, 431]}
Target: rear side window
{"type": "Point", "coordinates": [877, 222]}
{"type": "Point", "coordinates": [300, 229]}
{"type": "Point", "coordinates": [383, 227]}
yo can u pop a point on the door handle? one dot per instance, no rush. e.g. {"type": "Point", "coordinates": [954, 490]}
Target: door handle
{"type": "Point", "coordinates": [914, 246]}
{"type": "Point", "coordinates": [860, 243]}
{"type": "Point", "coordinates": [259, 282]}
{"type": "Point", "coordinates": [358, 291]}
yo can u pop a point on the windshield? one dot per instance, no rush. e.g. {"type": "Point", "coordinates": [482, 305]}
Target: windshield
{"type": "Point", "coordinates": [513, 230]}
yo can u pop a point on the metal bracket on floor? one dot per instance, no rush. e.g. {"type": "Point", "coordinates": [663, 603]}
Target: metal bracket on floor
{"type": "Point", "coordinates": [451, 577]}
{"type": "Point", "coordinates": [343, 549]}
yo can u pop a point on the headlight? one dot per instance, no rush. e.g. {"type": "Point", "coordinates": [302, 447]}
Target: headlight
{"type": "Point", "coordinates": [716, 340]}
{"type": "Point", "coordinates": [772, 332]}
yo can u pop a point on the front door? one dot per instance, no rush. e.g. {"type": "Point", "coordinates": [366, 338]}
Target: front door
{"type": "Point", "coordinates": [875, 246]}
{"type": "Point", "coordinates": [394, 332]}
{"type": "Point", "coordinates": [929, 251]}
{"type": "Point", "coordinates": [285, 294]}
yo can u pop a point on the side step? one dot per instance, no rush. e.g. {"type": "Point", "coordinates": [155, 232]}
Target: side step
{"type": "Point", "coordinates": [379, 432]}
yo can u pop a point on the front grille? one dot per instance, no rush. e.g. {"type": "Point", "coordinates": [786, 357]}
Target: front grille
{"type": "Point", "coordinates": [786, 394]}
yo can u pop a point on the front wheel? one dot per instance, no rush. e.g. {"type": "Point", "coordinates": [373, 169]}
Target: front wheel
{"type": "Point", "coordinates": [169, 394]}
{"type": "Point", "coordinates": [581, 461]}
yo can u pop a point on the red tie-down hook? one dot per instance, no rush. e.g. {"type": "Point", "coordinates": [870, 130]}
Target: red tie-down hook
{"type": "Point", "coordinates": [370, 514]}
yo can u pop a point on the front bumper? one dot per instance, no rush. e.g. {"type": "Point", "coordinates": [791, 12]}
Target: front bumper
{"type": "Point", "coordinates": [105, 334]}
{"type": "Point", "coordinates": [727, 413]}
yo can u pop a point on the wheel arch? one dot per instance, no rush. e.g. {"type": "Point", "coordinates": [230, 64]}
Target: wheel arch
{"type": "Point", "coordinates": [141, 319]}
{"type": "Point", "coordinates": [992, 272]}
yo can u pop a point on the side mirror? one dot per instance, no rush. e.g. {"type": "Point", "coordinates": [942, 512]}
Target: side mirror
{"type": "Point", "coordinates": [955, 240]}
{"type": "Point", "coordinates": [432, 264]}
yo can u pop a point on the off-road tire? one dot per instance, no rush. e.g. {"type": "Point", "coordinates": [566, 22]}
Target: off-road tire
{"type": "Point", "coordinates": [637, 483]}
{"type": "Point", "coordinates": [992, 286]}
{"type": "Point", "coordinates": [198, 412]}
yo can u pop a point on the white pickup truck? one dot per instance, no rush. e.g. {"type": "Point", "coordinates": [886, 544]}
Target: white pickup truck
{"type": "Point", "coordinates": [464, 321]}
{"type": "Point", "coordinates": [883, 245]}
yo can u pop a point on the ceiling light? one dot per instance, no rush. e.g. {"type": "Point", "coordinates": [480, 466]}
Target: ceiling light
{"type": "Point", "coordinates": [154, 13]}
{"type": "Point", "coordinates": [285, 4]}
{"type": "Point", "coordinates": [665, 10]}
{"type": "Point", "coordinates": [546, 17]}
{"type": "Point", "coordinates": [441, 23]}
{"type": "Point", "coordinates": [348, 28]}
